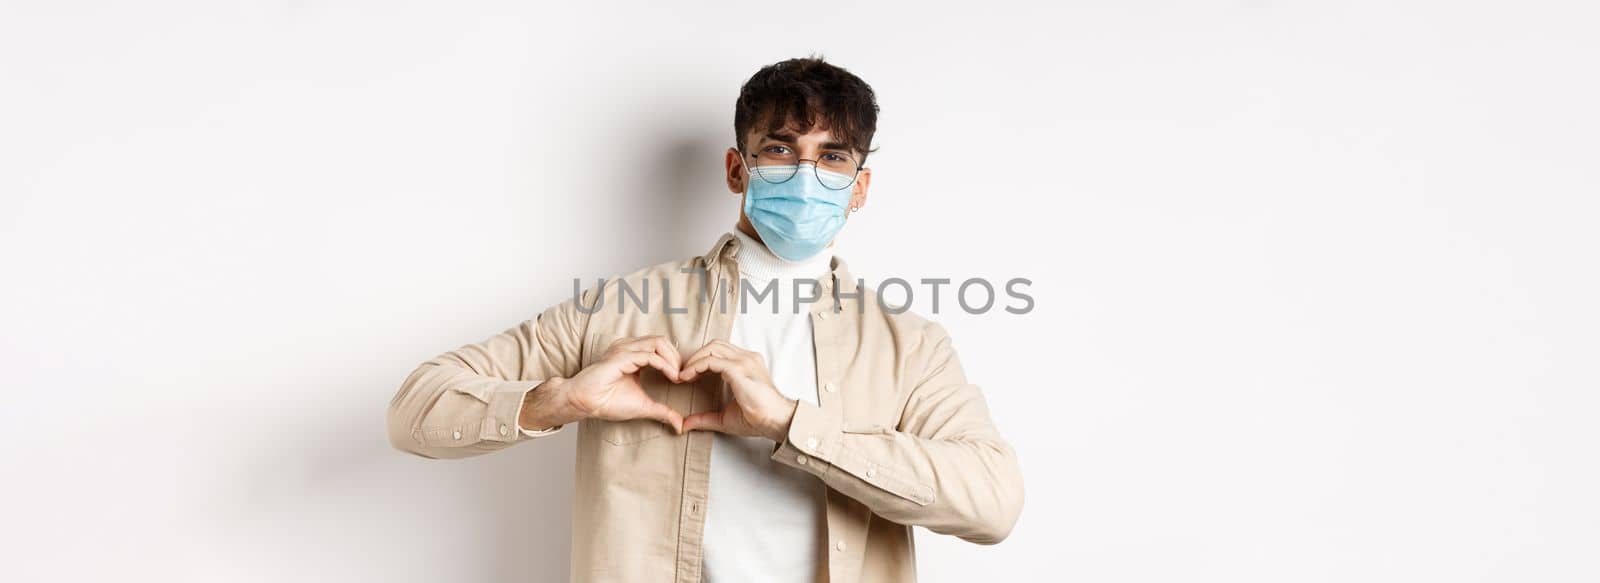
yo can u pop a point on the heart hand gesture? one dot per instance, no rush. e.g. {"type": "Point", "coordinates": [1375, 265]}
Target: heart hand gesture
{"type": "Point", "coordinates": [757, 410]}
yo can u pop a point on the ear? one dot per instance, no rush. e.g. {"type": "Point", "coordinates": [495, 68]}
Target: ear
{"type": "Point", "coordinates": [858, 198]}
{"type": "Point", "coordinates": [734, 171]}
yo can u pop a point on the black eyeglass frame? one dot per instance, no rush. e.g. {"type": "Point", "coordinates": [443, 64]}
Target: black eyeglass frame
{"type": "Point", "coordinates": [815, 167]}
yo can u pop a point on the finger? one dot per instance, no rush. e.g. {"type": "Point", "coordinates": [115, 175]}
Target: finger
{"type": "Point", "coordinates": [669, 352]}
{"type": "Point", "coordinates": [665, 414]}
{"type": "Point", "coordinates": [726, 348]}
{"type": "Point", "coordinates": [697, 354]}
{"type": "Point", "coordinates": [709, 421]}
{"type": "Point", "coordinates": [711, 362]}
{"type": "Point", "coordinates": [698, 365]}
{"type": "Point", "coordinates": [721, 347]}
{"type": "Point", "coordinates": [632, 362]}
{"type": "Point", "coordinates": [715, 348]}
{"type": "Point", "coordinates": [737, 354]}
{"type": "Point", "coordinates": [658, 345]}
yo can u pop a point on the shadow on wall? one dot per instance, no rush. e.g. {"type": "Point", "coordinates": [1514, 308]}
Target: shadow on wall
{"type": "Point", "coordinates": [341, 502]}
{"type": "Point", "coordinates": [681, 204]}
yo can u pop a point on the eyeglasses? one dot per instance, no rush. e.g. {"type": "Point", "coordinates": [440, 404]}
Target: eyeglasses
{"type": "Point", "coordinates": [777, 164]}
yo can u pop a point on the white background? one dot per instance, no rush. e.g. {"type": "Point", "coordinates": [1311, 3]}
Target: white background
{"type": "Point", "coordinates": [1315, 281]}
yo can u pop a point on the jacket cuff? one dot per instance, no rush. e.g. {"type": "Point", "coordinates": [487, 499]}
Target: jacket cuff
{"type": "Point", "coordinates": [501, 423]}
{"type": "Point", "coordinates": [815, 445]}
{"type": "Point", "coordinates": [812, 441]}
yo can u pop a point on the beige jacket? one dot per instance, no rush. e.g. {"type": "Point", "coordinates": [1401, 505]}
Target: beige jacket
{"type": "Point", "coordinates": [899, 435]}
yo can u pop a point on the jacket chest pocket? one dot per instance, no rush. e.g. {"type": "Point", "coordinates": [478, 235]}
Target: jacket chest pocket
{"type": "Point", "coordinates": [635, 431]}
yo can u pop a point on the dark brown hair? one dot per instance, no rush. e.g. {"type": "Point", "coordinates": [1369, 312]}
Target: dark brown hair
{"type": "Point", "coordinates": [808, 92]}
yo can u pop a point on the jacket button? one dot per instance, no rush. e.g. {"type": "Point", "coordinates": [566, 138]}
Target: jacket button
{"type": "Point", "coordinates": [839, 546]}
{"type": "Point", "coordinates": [457, 434]}
{"type": "Point", "coordinates": [830, 387]}
{"type": "Point", "coordinates": [811, 443]}
{"type": "Point", "coordinates": [800, 459]}
{"type": "Point", "coordinates": [504, 430]}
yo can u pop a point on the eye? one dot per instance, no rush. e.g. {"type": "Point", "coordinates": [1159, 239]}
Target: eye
{"type": "Point", "coordinates": [781, 150]}
{"type": "Point", "coordinates": [835, 157]}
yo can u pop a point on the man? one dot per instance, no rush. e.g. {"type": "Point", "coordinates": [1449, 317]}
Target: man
{"type": "Point", "coordinates": [752, 414]}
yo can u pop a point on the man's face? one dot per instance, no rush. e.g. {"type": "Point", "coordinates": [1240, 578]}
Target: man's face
{"type": "Point", "coordinates": [810, 146]}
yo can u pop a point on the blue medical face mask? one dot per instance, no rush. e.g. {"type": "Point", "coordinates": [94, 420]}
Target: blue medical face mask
{"type": "Point", "coordinates": [798, 217]}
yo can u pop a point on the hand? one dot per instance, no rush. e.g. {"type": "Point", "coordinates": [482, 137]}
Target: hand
{"type": "Point", "coordinates": [609, 388]}
{"type": "Point", "coordinates": [757, 410]}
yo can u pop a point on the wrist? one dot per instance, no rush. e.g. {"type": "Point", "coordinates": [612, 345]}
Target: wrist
{"type": "Point", "coordinates": [547, 406]}
{"type": "Point", "coordinates": [779, 428]}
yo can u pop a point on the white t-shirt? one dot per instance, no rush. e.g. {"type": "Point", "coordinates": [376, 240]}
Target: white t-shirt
{"type": "Point", "coordinates": [765, 521]}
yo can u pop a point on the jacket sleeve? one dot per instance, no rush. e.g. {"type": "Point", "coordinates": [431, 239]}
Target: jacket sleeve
{"type": "Point", "coordinates": [945, 467]}
{"type": "Point", "coordinates": [466, 402]}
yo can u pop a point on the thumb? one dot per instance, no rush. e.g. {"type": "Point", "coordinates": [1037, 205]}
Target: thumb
{"type": "Point", "coordinates": [661, 412]}
{"type": "Point", "coordinates": [709, 420]}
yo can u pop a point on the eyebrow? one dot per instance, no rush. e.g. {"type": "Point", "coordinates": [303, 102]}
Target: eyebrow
{"type": "Point", "coordinates": [789, 138]}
